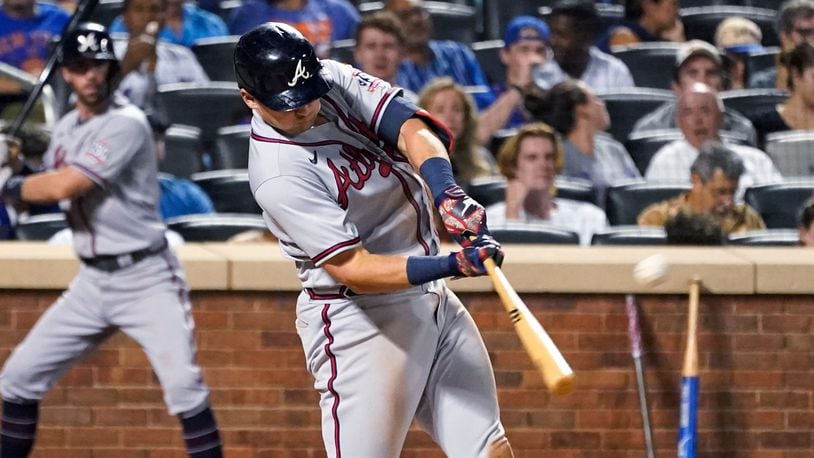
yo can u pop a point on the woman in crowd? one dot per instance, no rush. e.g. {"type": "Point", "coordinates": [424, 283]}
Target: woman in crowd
{"type": "Point", "coordinates": [574, 111]}
{"type": "Point", "coordinates": [448, 102]}
{"type": "Point", "coordinates": [797, 112]}
{"type": "Point", "coordinates": [530, 161]}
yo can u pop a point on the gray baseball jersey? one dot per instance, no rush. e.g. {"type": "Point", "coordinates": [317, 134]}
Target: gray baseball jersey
{"type": "Point", "coordinates": [378, 360]}
{"type": "Point", "coordinates": [144, 296]}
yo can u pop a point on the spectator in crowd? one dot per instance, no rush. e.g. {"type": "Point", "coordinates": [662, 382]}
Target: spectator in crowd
{"type": "Point", "coordinates": [426, 59]}
{"type": "Point", "coordinates": [645, 21]}
{"type": "Point", "coordinates": [805, 223]}
{"type": "Point", "coordinates": [455, 108]}
{"type": "Point", "coordinates": [700, 112]}
{"type": "Point", "coordinates": [320, 21]}
{"type": "Point", "coordinates": [380, 48]}
{"type": "Point", "coordinates": [574, 111]}
{"type": "Point", "coordinates": [797, 112]}
{"type": "Point", "coordinates": [714, 176]}
{"type": "Point", "coordinates": [685, 228]}
{"type": "Point", "coordinates": [574, 25]}
{"type": "Point", "coordinates": [26, 30]}
{"type": "Point", "coordinates": [737, 37]}
{"type": "Point", "coordinates": [795, 25]}
{"type": "Point", "coordinates": [146, 62]}
{"type": "Point", "coordinates": [525, 46]}
{"type": "Point", "coordinates": [697, 61]}
{"type": "Point", "coordinates": [530, 161]}
{"type": "Point", "coordinates": [184, 23]}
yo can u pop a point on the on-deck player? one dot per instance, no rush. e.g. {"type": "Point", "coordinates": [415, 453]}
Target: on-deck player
{"type": "Point", "coordinates": [103, 165]}
{"type": "Point", "coordinates": [332, 162]}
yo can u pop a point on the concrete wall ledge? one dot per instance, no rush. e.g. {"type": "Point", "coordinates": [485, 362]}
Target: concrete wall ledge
{"type": "Point", "coordinates": [530, 268]}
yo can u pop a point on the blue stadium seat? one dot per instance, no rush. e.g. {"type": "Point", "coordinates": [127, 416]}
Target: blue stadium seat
{"type": "Point", "coordinates": [215, 227]}
{"type": "Point", "coordinates": [40, 227]}
{"type": "Point", "coordinates": [768, 237]}
{"type": "Point", "coordinates": [626, 106]}
{"type": "Point", "coordinates": [630, 235]}
{"type": "Point", "coordinates": [626, 200]}
{"type": "Point", "coordinates": [215, 54]}
{"type": "Point", "coordinates": [534, 233]}
{"type": "Point", "coordinates": [229, 190]}
{"type": "Point", "coordinates": [779, 203]}
{"type": "Point", "coordinates": [182, 151]}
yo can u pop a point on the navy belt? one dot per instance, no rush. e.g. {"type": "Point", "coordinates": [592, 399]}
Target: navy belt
{"type": "Point", "coordinates": [112, 262]}
{"type": "Point", "coordinates": [340, 292]}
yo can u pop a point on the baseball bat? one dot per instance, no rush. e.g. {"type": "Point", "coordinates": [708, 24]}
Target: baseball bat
{"type": "Point", "coordinates": [635, 335]}
{"type": "Point", "coordinates": [83, 10]}
{"type": "Point", "coordinates": [688, 423]}
{"type": "Point", "coordinates": [557, 374]}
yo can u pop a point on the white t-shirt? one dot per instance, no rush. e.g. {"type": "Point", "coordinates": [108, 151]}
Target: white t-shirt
{"type": "Point", "coordinates": [581, 217]}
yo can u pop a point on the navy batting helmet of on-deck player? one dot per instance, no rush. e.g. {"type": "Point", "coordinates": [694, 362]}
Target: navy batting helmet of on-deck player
{"type": "Point", "coordinates": [278, 66]}
{"type": "Point", "coordinates": [88, 41]}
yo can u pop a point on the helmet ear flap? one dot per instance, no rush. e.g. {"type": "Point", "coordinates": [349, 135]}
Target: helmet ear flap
{"type": "Point", "coordinates": [279, 67]}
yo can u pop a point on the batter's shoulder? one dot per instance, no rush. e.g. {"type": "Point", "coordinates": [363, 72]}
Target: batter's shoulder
{"type": "Point", "coordinates": [125, 114]}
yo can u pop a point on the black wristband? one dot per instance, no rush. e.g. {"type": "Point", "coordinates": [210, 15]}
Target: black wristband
{"type": "Point", "coordinates": [13, 187]}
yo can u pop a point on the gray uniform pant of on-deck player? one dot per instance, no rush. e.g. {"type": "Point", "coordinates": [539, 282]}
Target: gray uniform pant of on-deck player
{"type": "Point", "coordinates": [147, 301]}
{"type": "Point", "coordinates": [379, 361]}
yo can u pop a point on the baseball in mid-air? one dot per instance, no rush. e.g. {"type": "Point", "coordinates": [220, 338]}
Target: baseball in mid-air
{"type": "Point", "coordinates": [651, 270]}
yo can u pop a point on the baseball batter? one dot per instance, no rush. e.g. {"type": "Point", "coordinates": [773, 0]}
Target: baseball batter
{"type": "Point", "coordinates": [102, 165]}
{"type": "Point", "coordinates": [334, 156]}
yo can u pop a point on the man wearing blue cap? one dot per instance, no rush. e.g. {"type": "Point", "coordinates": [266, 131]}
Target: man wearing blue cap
{"type": "Point", "coordinates": [525, 46]}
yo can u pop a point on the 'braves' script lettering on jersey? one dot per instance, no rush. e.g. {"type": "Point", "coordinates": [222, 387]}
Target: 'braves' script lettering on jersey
{"type": "Point", "coordinates": [299, 72]}
{"type": "Point", "coordinates": [361, 165]}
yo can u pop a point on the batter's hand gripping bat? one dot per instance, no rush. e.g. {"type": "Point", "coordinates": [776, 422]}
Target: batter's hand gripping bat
{"type": "Point", "coordinates": [687, 428]}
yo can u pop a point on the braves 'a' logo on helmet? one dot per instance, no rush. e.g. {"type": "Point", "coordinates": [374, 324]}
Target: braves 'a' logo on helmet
{"type": "Point", "coordinates": [299, 72]}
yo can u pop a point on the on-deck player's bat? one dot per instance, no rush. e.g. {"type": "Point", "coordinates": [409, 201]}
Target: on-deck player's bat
{"type": "Point", "coordinates": [557, 374]}
{"type": "Point", "coordinates": [83, 10]}
{"type": "Point", "coordinates": [634, 332]}
{"type": "Point", "coordinates": [687, 428]}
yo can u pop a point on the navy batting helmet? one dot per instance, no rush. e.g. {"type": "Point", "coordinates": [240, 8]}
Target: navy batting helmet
{"type": "Point", "coordinates": [278, 66]}
{"type": "Point", "coordinates": [87, 41]}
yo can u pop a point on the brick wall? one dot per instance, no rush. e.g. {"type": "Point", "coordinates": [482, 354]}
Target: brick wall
{"type": "Point", "coordinates": [756, 380]}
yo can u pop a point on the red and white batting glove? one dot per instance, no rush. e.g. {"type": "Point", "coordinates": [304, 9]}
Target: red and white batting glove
{"type": "Point", "coordinates": [462, 215]}
{"type": "Point", "coordinates": [470, 259]}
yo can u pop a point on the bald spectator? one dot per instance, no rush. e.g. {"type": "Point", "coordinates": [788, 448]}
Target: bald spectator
{"type": "Point", "coordinates": [805, 223]}
{"type": "Point", "coordinates": [795, 25]}
{"type": "Point", "coordinates": [574, 26]}
{"type": "Point", "coordinates": [697, 62]}
{"type": "Point", "coordinates": [525, 46]}
{"type": "Point", "coordinates": [714, 176]}
{"type": "Point", "coordinates": [700, 113]}
{"type": "Point", "coordinates": [645, 21]}
{"type": "Point", "coordinates": [427, 59]}
{"type": "Point", "coordinates": [737, 37]}
{"type": "Point", "coordinates": [380, 48]}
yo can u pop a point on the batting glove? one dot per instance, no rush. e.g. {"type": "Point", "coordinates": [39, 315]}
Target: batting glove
{"type": "Point", "coordinates": [470, 260]}
{"type": "Point", "coordinates": [463, 217]}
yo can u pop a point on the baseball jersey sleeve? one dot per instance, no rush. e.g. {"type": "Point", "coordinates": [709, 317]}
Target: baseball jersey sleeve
{"type": "Point", "coordinates": [378, 104]}
{"type": "Point", "coordinates": [103, 157]}
{"type": "Point", "coordinates": [302, 212]}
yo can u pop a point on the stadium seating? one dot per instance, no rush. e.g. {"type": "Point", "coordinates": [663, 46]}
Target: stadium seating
{"type": "Point", "coordinates": [342, 50]}
{"type": "Point", "coordinates": [751, 102]}
{"type": "Point", "coordinates": [779, 203]}
{"type": "Point", "coordinates": [630, 235]}
{"type": "Point", "coordinates": [792, 152]}
{"type": "Point", "coordinates": [701, 22]}
{"type": "Point", "coordinates": [228, 189]}
{"type": "Point", "coordinates": [626, 200]}
{"type": "Point", "coordinates": [40, 227]}
{"type": "Point", "coordinates": [626, 106]}
{"type": "Point", "coordinates": [651, 64]}
{"type": "Point", "coordinates": [232, 147]}
{"type": "Point", "coordinates": [215, 227]}
{"type": "Point", "coordinates": [488, 55]}
{"type": "Point", "coordinates": [207, 106]}
{"type": "Point", "coordinates": [536, 233]}
{"type": "Point", "coordinates": [492, 190]}
{"type": "Point", "coordinates": [106, 11]}
{"type": "Point", "coordinates": [761, 60]}
{"type": "Point", "coordinates": [498, 13]}
{"type": "Point", "coordinates": [768, 237]}
{"type": "Point", "coordinates": [215, 54]}
{"type": "Point", "coordinates": [182, 151]}
{"type": "Point", "coordinates": [642, 146]}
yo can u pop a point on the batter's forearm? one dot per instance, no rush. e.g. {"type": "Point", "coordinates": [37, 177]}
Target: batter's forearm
{"type": "Point", "coordinates": [419, 143]}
